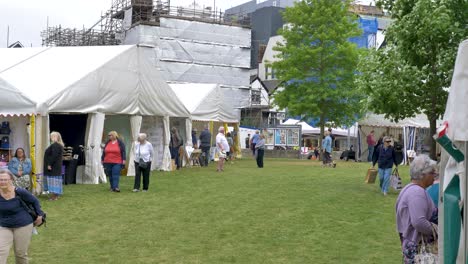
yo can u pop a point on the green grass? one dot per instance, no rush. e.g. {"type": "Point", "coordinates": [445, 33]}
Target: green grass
{"type": "Point", "coordinates": [292, 211]}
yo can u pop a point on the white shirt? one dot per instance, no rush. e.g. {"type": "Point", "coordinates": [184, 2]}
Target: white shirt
{"type": "Point", "coordinates": [144, 151]}
{"type": "Point", "coordinates": [222, 141]}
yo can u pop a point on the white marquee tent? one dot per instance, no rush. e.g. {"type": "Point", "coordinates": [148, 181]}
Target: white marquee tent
{"type": "Point", "coordinates": [453, 202]}
{"type": "Point", "coordinates": [95, 80]}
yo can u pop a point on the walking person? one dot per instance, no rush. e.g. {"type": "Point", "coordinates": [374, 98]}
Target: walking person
{"type": "Point", "coordinates": [144, 153]}
{"type": "Point", "coordinates": [21, 167]}
{"type": "Point", "coordinates": [260, 147]}
{"type": "Point", "coordinates": [16, 224]}
{"type": "Point", "coordinates": [53, 166]}
{"type": "Point", "coordinates": [113, 159]}
{"type": "Point", "coordinates": [327, 149]}
{"type": "Point", "coordinates": [385, 157]}
{"type": "Point", "coordinates": [254, 141]}
{"type": "Point", "coordinates": [205, 145]}
{"type": "Point", "coordinates": [222, 147]}
{"type": "Point", "coordinates": [231, 144]}
{"type": "Point", "coordinates": [174, 145]}
{"type": "Point", "coordinates": [416, 213]}
{"type": "Point", "coordinates": [370, 145]}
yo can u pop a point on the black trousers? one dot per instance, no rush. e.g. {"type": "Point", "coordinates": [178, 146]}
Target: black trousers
{"type": "Point", "coordinates": [205, 156]}
{"type": "Point", "coordinates": [146, 174]}
{"type": "Point", "coordinates": [260, 154]}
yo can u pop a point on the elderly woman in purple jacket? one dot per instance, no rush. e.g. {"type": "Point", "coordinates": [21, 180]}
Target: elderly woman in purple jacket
{"type": "Point", "coordinates": [415, 210]}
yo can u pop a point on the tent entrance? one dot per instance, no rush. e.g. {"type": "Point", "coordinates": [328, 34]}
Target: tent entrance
{"type": "Point", "coordinates": [72, 127]}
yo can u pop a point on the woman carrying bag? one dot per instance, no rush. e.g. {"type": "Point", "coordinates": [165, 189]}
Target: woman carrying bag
{"type": "Point", "coordinates": [16, 224]}
{"type": "Point", "coordinates": [143, 156]}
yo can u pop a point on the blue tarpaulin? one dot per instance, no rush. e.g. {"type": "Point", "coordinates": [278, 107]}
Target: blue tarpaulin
{"type": "Point", "coordinates": [369, 27]}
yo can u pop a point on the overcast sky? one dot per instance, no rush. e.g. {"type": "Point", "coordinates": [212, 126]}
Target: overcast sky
{"type": "Point", "coordinates": [27, 18]}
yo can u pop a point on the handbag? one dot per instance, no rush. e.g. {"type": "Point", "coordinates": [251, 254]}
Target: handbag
{"type": "Point", "coordinates": [30, 209]}
{"type": "Point", "coordinates": [395, 180]}
{"type": "Point", "coordinates": [371, 175]}
{"type": "Point", "coordinates": [428, 252]}
{"type": "Point", "coordinates": [141, 163]}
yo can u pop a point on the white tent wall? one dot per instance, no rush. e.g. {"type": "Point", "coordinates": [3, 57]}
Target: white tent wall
{"type": "Point", "coordinates": [18, 138]}
{"type": "Point", "coordinates": [153, 126]}
{"type": "Point", "coordinates": [93, 171]}
{"type": "Point", "coordinates": [42, 142]}
{"type": "Point", "coordinates": [456, 114]}
{"type": "Point", "coordinates": [135, 124]}
{"type": "Point", "coordinates": [166, 163]}
{"type": "Point", "coordinates": [188, 129]}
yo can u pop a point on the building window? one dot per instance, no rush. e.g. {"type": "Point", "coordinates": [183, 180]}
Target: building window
{"type": "Point", "coordinates": [266, 72]}
{"type": "Point", "coordinates": [256, 97]}
{"type": "Point", "coordinates": [274, 3]}
{"type": "Point", "coordinates": [273, 73]}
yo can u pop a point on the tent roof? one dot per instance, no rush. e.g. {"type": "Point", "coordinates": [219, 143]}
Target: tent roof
{"type": "Point", "coordinates": [107, 79]}
{"type": "Point", "coordinates": [380, 121]}
{"type": "Point", "coordinates": [456, 111]}
{"type": "Point", "coordinates": [205, 102]}
{"type": "Point", "coordinates": [15, 103]}
{"type": "Point", "coordinates": [305, 128]}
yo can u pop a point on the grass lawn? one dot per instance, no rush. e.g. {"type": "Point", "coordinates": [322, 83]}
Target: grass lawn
{"type": "Point", "coordinates": [291, 211]}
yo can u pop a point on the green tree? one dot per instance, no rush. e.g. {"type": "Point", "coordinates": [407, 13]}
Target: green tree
{"type": "Point", "coordinates": [412, 73]}
{"type": "Point", "coordinates": [317, 63]}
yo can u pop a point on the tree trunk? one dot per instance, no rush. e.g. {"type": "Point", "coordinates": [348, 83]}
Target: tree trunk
{"type": "Point", "coordinates": [432, 131]}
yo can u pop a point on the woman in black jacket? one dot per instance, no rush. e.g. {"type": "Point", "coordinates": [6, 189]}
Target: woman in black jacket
{"type": "Point", "coordinates": [53, 166]}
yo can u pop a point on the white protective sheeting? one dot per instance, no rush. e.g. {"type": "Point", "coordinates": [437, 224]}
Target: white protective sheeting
{"type": "Point", "coordinates": [166, 163]}
{"type": "Point", "coordinates": [135, 124]}
{"type": "Point", "coordinates": [190, 51]}
{"type": "Point", "coordinates": [205, 102]}
{"type": "Point", "coordinates": [93, 171]}
{"type": "Point", "coordinates": [13, 101]}
{"type": "Point", "coordinates": [106, 79]}
{"type": "Point", "coordinates": [456, 111]}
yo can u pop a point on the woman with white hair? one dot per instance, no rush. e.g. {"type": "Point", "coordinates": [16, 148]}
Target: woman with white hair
{"type": "Point", "coordinates": [53, 166]}
{"type": "Point", "coordinates": [223, 147]}
{"type": "Point", "coordinates": [415, 211]}
{"type": "Point", "coordinates": [144, 153]}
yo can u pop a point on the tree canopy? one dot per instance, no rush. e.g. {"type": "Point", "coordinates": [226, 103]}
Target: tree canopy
{"type": "Point", "coordinates": [412, 74]}
{"type": "Point", "coordinates": [317, 62]}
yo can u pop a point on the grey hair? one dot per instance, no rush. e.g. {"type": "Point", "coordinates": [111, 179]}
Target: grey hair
{"type": "Point", "coordinates": [420, 165]}
{"type": "Point", "coordinates": [221, 128]}
{"type": "Point", "coordinates": [387, 138]}
{"type": "Point", "coordinates": [8, 172]}
{"type": "Point", "coordinates": [142, 136]}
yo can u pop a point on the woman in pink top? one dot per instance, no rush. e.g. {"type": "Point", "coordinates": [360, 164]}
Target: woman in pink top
{"type": "Point", "coordinates": [415, 211]}
{"type": "Point", "coordinates": [113, 159]}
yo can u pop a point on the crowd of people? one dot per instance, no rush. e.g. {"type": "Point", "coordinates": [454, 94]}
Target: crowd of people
{"type": "Point", "coordinates": [416, 206]}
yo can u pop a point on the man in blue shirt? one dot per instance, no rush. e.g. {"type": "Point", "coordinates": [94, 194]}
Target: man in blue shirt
{"type": "Point", "coordinates": [205, 145]}
{"type": "Point", "coordinates": [253, 141]}
{"type": "Point", "coordinates": [327, 149]}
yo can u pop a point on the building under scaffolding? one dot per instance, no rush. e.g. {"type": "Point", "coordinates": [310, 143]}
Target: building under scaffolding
{"type": "Point", "coordinates": [124, 14]}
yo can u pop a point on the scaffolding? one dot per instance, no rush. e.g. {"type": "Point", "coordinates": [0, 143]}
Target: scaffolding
{"type": "Point", "coordinates": [125, 14]}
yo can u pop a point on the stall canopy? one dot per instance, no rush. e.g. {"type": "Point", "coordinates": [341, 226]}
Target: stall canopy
{"type": "Point", "coordinates": [374, 120]}
{"type": "Point", "coordinates": [306, 129]}
{"type": "Point", "coordinates": [13, 101]}
{"type": "Point", "coordinates": [205, 102]}
{"type": "Point", "coordinates": [106, 79]}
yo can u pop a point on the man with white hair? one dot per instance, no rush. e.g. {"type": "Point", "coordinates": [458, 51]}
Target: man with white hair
{"type": "Point", "coordinates": [222, 147]}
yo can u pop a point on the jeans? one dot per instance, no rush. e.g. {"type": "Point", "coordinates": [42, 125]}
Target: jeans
{"type": "Point", "coordinates": [175, 156]}
{"type": "Point", "coordinates": [370, 154]}
{"type": "Point", "coordinates": [205, 156]}
{"type": "Point", "coordinates": [113, 172]}
{"type": "Point", "coordinates": [260, 154]}
{"type": "Point", "coordinates": [384, 177]}
{"type": "Point", "coordinates": [146, 175]}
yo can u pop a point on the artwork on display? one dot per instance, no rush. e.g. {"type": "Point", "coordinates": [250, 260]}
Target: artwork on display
{"type": "Point", "coordinates": [282, 136]}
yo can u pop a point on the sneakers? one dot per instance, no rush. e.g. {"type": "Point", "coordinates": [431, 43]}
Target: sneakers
{"type": "Point", "coordinates": [135, 190]}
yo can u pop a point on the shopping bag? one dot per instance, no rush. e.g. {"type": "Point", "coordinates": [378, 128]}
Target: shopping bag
{"type": "Point", "coordinates": [395, 180]}
{"type": "Point", "coordinates": [371, 175]}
